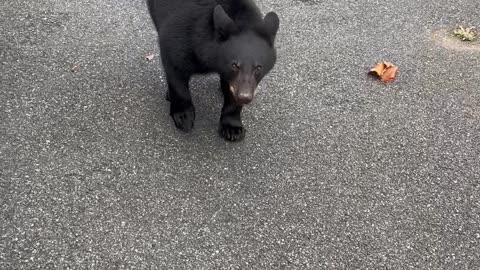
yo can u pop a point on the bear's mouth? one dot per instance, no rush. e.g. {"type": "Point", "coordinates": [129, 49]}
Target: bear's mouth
{"type": "Point", "coordinates": [241, 97]}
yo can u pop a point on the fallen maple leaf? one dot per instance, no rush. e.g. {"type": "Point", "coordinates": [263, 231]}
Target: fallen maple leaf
{"type": "Point", "coordinates": [385, 71]}
{"type": "Point", "coordinates": [149, 57]}
{"type": "Point", "coordinates": [389, 74]}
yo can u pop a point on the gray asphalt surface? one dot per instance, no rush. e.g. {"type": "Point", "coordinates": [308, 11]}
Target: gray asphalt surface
{"type": "Point", "coordinates": [338, 170]}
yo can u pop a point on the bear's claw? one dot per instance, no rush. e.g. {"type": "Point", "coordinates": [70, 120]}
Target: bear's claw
{"type": "Point", "coordinates": [231, 133]}
{"type": "Point", "coordinates": [184, 120]}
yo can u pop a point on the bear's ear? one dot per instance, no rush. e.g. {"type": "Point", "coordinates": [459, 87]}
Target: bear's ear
{"type": "Point", "coordinates": [272, 23]}
{"type": "Point", "coordinates": [222, 22]}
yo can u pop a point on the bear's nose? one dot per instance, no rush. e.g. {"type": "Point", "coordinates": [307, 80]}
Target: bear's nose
{"type": "Point", "coordinates": [245, 97]}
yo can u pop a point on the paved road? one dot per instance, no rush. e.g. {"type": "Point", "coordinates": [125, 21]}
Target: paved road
{"type": "Point", "coordinates": [338, 171]}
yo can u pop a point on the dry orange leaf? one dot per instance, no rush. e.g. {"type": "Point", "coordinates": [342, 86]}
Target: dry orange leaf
{"type": "Point", "coordinates": [389, 74]}
{"type": "Point", "coordinates": [385, 71]}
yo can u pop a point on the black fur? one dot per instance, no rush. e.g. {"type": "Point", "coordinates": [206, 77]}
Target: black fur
{"type": "Point", "coordinates": [229, 37]}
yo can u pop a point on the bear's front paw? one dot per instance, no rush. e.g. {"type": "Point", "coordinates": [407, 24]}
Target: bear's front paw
{"type": "Point", "coordinates": [232, 133]}
{"type": "Point", "coordinates": [184, 119]}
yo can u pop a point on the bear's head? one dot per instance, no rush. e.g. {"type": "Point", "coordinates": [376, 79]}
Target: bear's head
{"type": "Point", "coordinates": [246, 54]}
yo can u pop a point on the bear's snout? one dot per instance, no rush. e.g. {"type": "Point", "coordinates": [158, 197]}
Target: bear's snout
{"type": "Point", "coordinates": [245, 97]}
{"type": "Point", "coordinates": [243, 88]}
{"type": "Point", "coordinates": [242, 95]}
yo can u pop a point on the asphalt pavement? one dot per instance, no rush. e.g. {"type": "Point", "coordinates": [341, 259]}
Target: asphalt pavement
{"type": "Point", "coordinates": [337, 171]}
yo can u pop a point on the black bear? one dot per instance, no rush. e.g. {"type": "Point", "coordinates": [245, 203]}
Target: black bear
{"type": "Point", "coordinates": [229, 37]}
